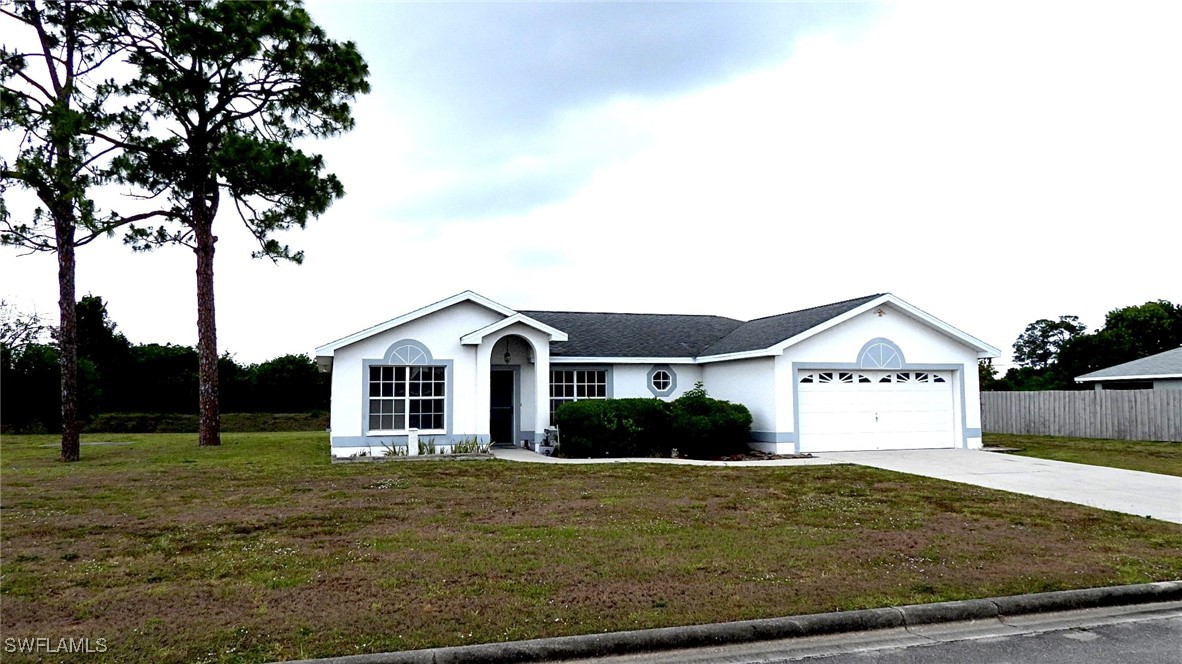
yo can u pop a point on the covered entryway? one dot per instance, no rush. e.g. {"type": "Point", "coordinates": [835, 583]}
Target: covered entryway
{"type": "Point", "coordinates": [860, 409]}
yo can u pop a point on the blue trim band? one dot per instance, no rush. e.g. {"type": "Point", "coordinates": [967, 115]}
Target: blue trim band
{"type": "Point", "coordinates": [379, 441]}
{"type": "Point", "coordinates": [773, 436]}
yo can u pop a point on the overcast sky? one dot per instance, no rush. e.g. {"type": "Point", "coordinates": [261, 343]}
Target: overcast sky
{"type": "Point", "coordinates": [990, 163]}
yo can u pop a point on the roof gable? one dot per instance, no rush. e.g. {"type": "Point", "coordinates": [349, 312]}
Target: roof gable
{"type": "Point", "coordinates": [1161, 365]}
{"type": "Point", "coordinates": [477, 336]}
{"type": "Point", "coordinates": [329, 348]}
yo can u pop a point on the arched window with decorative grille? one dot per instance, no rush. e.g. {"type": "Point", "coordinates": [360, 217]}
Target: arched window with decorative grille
{"type": "Point", "coordinates": [880, 353]}
{"type": "Point", "coordinates": [406, 390]}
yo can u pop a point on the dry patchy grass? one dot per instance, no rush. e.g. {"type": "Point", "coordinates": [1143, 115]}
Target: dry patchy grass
{"type": "Point", "coordinates": [262, 550]}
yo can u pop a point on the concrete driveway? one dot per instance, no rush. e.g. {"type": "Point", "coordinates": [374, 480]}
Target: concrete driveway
{"type": "Point", "coordinates": [1128, 491]}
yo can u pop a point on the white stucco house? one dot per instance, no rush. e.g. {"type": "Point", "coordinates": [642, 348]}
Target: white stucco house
{"type": "Point", "coordinates": [869, 373]}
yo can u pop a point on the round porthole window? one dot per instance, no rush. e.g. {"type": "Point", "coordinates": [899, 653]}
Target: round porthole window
{"type": "Point", "coordinates": [662, 380]}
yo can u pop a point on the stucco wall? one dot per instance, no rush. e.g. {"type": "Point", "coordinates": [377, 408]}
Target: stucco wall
{"type": "Point", "coordinates": [766, 385]}
{"type": "Point", "coordinates": [749, 382]}
{"type": "Point", "coordinates": [440, 333]}
{"type": "Point", "coordinates": [632, 380]}
{"type": "Point", "coordinates": [921, 345]}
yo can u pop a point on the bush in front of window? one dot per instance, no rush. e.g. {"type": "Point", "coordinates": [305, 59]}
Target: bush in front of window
{"type": "Point", "coordinates": [699, 426]}
{"type": "Point", "coordinates": [614, 428]}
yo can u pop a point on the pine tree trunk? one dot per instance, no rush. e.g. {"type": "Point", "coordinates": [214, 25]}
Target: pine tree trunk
{"type": "Point", "coordinates": [209, 420]}
{"type": "Point", "coordinates": [68, 340]}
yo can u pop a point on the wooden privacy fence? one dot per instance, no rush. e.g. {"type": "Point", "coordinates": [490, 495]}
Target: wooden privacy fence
{"type": "Point", "coordinates": [1119, 414]}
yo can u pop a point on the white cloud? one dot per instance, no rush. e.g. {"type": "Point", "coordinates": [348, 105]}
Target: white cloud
{"type": "Point", "coordinates": [992, 164]}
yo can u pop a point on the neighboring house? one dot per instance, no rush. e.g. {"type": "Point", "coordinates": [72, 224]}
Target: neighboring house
{"type": "Point", "coordinates": [868, 373]}
{"type": "Point", "coordinates": [1159, 372]}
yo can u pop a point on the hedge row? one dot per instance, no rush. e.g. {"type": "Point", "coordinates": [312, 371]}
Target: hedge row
{"type": "Point", "coordinates": [231, 422]}
{"type": "Point", "coordinates": [695, 425]}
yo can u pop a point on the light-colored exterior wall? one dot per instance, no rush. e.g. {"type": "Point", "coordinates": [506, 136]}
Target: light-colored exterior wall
{"type": "Point", "coordinates": [922, 347]}
{"type": "Point", "coordinates": [628, 381]}
{"type": "Point", "coordinates": [1168, 384]}
{"type": "Point", "coordinates": [467, 382]}
{"type": "Point", "coordinates": [766, 385]}
{"type": "Point", "coordinates": [632, 380]}
{"type": "Point", "coordinates": [751, 382]}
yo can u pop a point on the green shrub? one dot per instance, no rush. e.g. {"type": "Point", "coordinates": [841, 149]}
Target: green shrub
{"type": "Point", "coordinates": [704, 427]}
{"type": "Point", "coordinates": [614, 427]}
{"type": "Point", "coordinates": [142, 423]}
{"type": "Point", "coordinates": [697, 425]}
{"type": "Point", "coordinates": [184, 423]}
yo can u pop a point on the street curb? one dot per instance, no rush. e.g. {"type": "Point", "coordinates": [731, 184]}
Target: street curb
{"type": "Point", "coordinates": [747, 631]}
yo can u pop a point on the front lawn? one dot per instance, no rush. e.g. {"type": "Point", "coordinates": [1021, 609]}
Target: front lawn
{"type": "Point", "coordinates": [262, 550]}
{"type": "Point", "coordinates": [1151, 457]}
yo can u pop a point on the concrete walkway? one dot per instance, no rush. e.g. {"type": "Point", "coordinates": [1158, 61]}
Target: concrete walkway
{"type": "Point", "coordinates": [519, 454]}
{"type": "Point", "coordinates": [1128, 491]}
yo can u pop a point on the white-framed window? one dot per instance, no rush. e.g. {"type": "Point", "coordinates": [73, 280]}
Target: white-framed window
{"type": "Point", "coordinates": [870, 377]}
{"type": "Point", "coordinates": [402, 398]}
{"type": "Point", "coordinates": [661, 380]}
{"type": "Point", "coordinates": [574, 384]}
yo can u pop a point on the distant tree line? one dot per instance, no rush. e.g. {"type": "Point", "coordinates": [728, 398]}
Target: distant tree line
{"type": "Point", "coordinates": [1051, 353]}
{"type": "Point", "coordinates": [186, 107]}
{"type": "Point", "coordinates": [117, 376]}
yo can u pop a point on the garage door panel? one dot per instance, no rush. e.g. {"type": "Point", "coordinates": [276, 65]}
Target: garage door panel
{"type": "Point", "coordinates": [872, 410]}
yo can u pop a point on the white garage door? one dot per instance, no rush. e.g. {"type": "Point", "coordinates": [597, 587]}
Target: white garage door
{"type": "Point", "coordinates": [875, 410]}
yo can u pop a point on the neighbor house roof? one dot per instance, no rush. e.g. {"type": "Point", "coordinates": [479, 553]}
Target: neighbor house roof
{"type": "Point", "coordinates": [1162, 365]}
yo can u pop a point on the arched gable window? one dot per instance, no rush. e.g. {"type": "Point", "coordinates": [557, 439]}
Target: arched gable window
{"type": "Point", "coordinates": [407, 391]}
{"type": "Point", "coordinates": [407, 351]}
{"type": "Point", "coordinates": [880, 353]}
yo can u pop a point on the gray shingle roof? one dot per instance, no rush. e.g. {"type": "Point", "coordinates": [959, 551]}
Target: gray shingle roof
{"type": "Point", "coordinates": [633, 335]}
{"type": "Point", "coordinates": [669, 335]}
{"type": "Point", "coordinates": [765, 332]}
{"type": "Point", "coordinates": [1168, 363]}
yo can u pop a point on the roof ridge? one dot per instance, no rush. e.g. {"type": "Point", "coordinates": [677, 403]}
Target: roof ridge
{"type": "Point", "coordinates": [755, 324]}
{"type": "Point", "coordinates": [624, 313]}
{"type": "Point", "coordinates": [819, 306]}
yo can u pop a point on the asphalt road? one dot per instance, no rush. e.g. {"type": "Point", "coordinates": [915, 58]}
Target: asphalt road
{"type": "Point", "coordinates": [1143, 634]}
